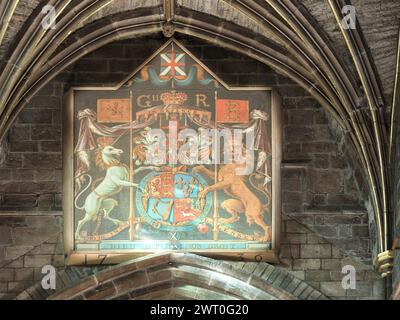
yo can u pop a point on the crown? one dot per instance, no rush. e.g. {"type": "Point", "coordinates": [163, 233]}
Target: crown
{"type": "Point", "coordinates": [105, 141]}
{"type": "Point", "coordinates": [173, 98]}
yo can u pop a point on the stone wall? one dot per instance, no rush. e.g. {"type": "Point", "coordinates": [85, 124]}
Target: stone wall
{"type": "Point", "coordinates": [325, 222]}
{"type": "Point", "coordinates": [27, 243]}
{"type": "Point", "coordinates": [396, 209]}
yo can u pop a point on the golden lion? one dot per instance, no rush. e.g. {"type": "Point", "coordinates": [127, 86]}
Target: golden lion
{"type": "Point", "coordinates": [245, 201]}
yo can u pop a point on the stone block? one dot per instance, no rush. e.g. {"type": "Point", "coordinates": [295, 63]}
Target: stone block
{"type": "Point", "coordinates": [5, 174]}
{"type": "Point", "coordinates": [293, 238]}
{"type": "Point", "coordinates": [259, 270]}
{"type": "Point", "coordinates": [292, 286]}
{"type": "Point", "coordinates": [317, 275]}
{"type": "Point", "coordinates": [7, 296]}
{"type": "Point", "coordinates": [353, 244]}
{"type": "Point", "coordinates": [299, 290]}
{"type": "Point", "coordinates": [131, 281]}
{"type": "Point", "coordinates": [18, 286]}
{"type": "Point", "coordinates": [305, 294]}
{"type": "Point", "coordinates": [291, 184]}
{"type": "Point", "coordinates": [20, 200]}
{"type": "Point", "coordinates": [38, 293]}
{"type": "Point", "coordinates": [6, 237]}
{"type": "Point", "coordinates": [288, 279]}
{"type": "Point", "coordinates": [237, 67]}
{"type": "Point", "coordinates": [37, 260]}
{"type": "Point", "coordinates": [313, 238]}
{"type": "Point", "coordinates": [77, 289]}
{"type": "Point", "coordinates": [33, 236]}
{"type": "Point", "coordinates": [93, 65]}
{"type": "Point", "coordinates": [301, 117]}
{"type": "Point", "coordinates": [363, 289]}
{"type": "Point", "coordinates": [20, 132]}
{"type": "Point", "coordinates": [47, 102]}
{"type": "Point", "coordinates": [47, 90]}
{"type": "Point", "coordinates": [23, 175]}
{"type": "Point", "coordinates": [295, 91]}
{"type": "Point", "coordinates": [326, 231]}
{"type": "Point", "coordinates": [320, 117]}
{"type": "Point", "coordinates": [24, 274]}
{"type": "Point", "coordinates": [290, 251]}
{"type": "Point", "coordinates": [307, 102]}
{"type": "Point", "coordinates": [345, 231]}
{"type": "Point", "coordinates": [45, 201]}
{"type": "Point", "coordinates": [18, 263]}
{"type": "Point", "coordinates": [322, 133]}
{"type": "Point", "coordinates": [336, 275]}
{"type": "Point", "coordinates": [315, 251]}
{"type": "Point", "coordinates": [338, 162]}
{"type": "Point", "coordinates": [331, 264]}
{"type": "Point", "coordinates": [280, 279]}
{"type": "Point", "coordinates": [14, 252]}
{"type": "Point", "coordinates": [320, 147]}
{"type": "Point", "coordinates": [323, 181]}
{"type": "Point", "coordinates": [159, 275]}
{"type": "Point", "coordinates": [51, 146]}
{"type": "Point", "coordinates": [104, 291]}
{"type": "Point", "coordinates": [3, 287]}
{"type": "Point", "coordinates": [319, 200]}
{"type": "Point", "coordinates": [342, 219]}
{"type": "Point", "coordinates": [45, 175]}
{"type": "Point", "coordinates": [298, 133]}
{"type": "Point", "coordinates": [6, 275]}
{"type": "Point", "coordinates": [360, 231]}
{"type": "Point", "coordinates": [299, 274]}
{"type": "Point", "coordinates": [42, 187]}
{"type": "Point", "coordinates": [13, 221]}
{"type": "Point", "coordinates": [48, 221]}
{"type": "Point", "coordinates": [292, 147]}
{"type": "Point", "coordinates": [349, 200]}
{"type": "Point", "coordinates": [292, 197]}
{"type": "Point", "coordinates": [314, 295]}
{"type": "Point", "coordinates": [295, 227]}
{"type": "Point", "coordinates": [337, 252]}
{"type": "Point", "coordinates": [58, 260]}
{"type": "Point", "coordinates": [264, 79]}
{"type": "Point", "coordinates": [332, 289]}
{"type": "Point", "coordinates": [378, 288]}
{"type": "Point", "coordinates": [24, 146]}
{"type": "Point", "coordinates": [42, 161]}
{"type": "Point", "coordinates": [306, 264]}
{"type": "Point", "coordinates": [36, 115]}
{"type": "Point", "coordinates": [45, 248]}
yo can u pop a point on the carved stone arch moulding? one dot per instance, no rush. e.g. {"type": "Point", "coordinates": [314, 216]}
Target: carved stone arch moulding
{"type": "Point", "coordinates": [172, 158]}
{"type": "Point", "coordinates": [174, 275]}
{"type": "Point", "coordinates": [299, 51]}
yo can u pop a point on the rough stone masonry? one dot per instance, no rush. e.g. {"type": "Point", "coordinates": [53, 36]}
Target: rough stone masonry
{"type": "Point", "coordinates": [325, 222]}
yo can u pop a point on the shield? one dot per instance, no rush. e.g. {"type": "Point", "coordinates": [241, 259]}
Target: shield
{"type": "Point", "coordinates": [172, 199]}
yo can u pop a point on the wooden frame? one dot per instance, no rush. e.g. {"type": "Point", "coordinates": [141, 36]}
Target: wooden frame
{"type": "Point", "coordinates": [116, 256]}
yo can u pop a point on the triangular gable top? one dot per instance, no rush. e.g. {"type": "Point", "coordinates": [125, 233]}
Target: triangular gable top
{"type": "Point", "coordinates": [130, 79]}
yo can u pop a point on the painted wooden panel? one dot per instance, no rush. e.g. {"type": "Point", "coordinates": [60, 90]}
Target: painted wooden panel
{"type": "Point", "coordinates": [172, 158]}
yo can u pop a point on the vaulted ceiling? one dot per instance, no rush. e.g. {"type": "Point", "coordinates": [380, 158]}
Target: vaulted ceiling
{"type": "Point", "coordinates": [350, 72]}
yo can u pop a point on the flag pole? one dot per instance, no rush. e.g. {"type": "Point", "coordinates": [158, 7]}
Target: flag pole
{"type": "Point", "coordinates": [215, 216]}
{"type": "Point", "coordinates": [131, 203]}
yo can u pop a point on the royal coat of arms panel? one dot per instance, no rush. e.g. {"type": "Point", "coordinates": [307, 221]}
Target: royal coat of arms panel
{"type": "Point", "coordinates": [172, 159]}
